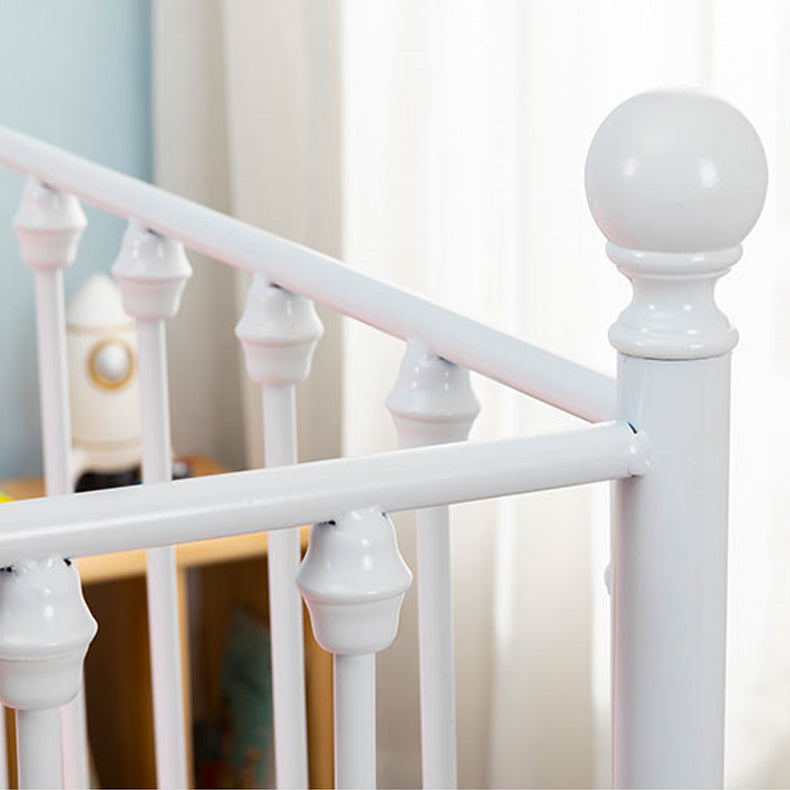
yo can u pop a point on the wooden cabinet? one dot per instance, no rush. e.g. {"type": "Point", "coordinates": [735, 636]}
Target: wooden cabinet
{"type": "Point", "coordinates": [215, 577]}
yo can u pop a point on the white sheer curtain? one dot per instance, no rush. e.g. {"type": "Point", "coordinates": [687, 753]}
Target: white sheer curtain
{"type": "Point", "coordinates": [444, 143]}
{"type": "Point", "coordinates": [246, 103]}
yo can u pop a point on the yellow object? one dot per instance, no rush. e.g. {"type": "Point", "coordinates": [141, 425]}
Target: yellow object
{"type": "Point", "coordinates": [5, 497]}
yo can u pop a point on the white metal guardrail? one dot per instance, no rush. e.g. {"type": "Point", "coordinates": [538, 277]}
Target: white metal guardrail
{"type": "Point", "coordinates": [675, 181]}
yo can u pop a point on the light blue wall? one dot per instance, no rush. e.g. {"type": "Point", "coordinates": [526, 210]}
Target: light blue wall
{"type": "Point", "coordinates": [76, 74]}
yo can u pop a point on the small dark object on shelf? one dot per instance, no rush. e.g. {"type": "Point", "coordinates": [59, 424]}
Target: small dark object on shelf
{"type": "Point", "coordinates": [93, 481]}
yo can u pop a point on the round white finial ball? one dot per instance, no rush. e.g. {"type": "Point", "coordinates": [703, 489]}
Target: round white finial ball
{"type": "Point", "coordinates": [671, 171]}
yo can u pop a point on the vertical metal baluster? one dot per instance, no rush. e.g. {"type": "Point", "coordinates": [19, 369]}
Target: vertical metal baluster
{"type": "Point", "coordinates": [353, 580]}
{"type": "Point", "coordinates": [432, 403]}
{"type": "Point", "coordinates": [675, 181]}
{"type": "Point", "coordinates": [355, 720]}
{"type": "Point", "coordinates": [45, 630]}
{"type": "Point", "coordinates": [39, 748]}
{"type": "Point", "coordinates": [151, 272]}
{"type": "Point", "coordinates": [49, 225]}
{"type": "Point", "coordinates": [279, 332]}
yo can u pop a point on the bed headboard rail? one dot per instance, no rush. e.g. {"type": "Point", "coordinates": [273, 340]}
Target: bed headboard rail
{"type": "Point", "coordinates": [675, 181]}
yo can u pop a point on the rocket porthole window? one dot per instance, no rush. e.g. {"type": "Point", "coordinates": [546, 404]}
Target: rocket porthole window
{"type": "Point", "coordinates": [111, 364]}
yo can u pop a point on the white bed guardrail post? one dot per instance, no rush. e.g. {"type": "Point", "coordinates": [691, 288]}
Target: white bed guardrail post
{"type": "Point", "coordinates": [279, 331]}
{"type": "Point", "coordinates": [432, 402]}
{"type": "Point", "coordinates": [45, 630]}
{"type": "Point", "coordinates": [151, 271]}
{"type": "Point", "coordinates": [353, 580]}
{"type": "Point", "coordinates": [49, 225]}
{"type": "Point", "coordinates": [675, 181]}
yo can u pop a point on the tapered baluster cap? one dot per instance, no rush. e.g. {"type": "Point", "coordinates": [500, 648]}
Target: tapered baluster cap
{"type": "Point", "coordinates": [49, 225]}
{"type": "Point", "coordinates": [45, 630]}
{"type": "Point", "coordinates": [152, 271]}
{"type": "Point", "coordinates": [279, 331]}
{"type": "Point", "coordinates": [353, 580]}
{"type": "Point", "coordinates": [432, 401]}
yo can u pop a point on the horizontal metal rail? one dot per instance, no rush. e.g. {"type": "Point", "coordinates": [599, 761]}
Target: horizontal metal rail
{"type": "Point", "coordinates": [550, 378]}
{"type": "Point", "coordinates": [266, 499]}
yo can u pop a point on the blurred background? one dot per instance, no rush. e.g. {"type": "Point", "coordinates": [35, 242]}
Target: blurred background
{"type": "Point", "coordinates": [439, 145]}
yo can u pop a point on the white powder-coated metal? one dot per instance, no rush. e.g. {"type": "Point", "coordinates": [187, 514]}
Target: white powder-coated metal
{"type": "Point", "coordinates": [49, 225]}
{"type": "Point", "coordinates": [151, 273]}
{"type": "Point", "coordinates": [353, 580]}
{"type": "Point", "coordinates": [355, 720]}
{"type": "Point", "coordinates": [98, 522]}
{"type": "Point", "coordinates": [279, 331]}
{"type": "Point", "coordinates": [675, 180]}
{"type": "Point", "coordinates": [45, 630]}
{"type": "Point", "coordinates": [669, 561]}
{"type": "Point", "coordinates": [432, 402]}
{"type": "Point", "coordinates": [39, 752]}
{"type": "Point", "coordinates": [546, 376]}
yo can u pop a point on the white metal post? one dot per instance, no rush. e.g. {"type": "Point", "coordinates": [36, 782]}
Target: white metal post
{"type": "Point", "coordinates": [432, 403]}
{"type": "Point", "coordinates": [279, 331]}
{"type": "Point", "coordinates": [355, 720]}
{"type": "Point", "coordinates": [151, 273]}
{"type": "Point", "coordinates": [49, 225]}
{"type": "Point", "coordinates": [45, 630]}
{"type": "Point", "coordinates": [675, 181]}
{"type": "Point", "coordinates": [39, 752]}
{"type": "Point", "coordinates": [353, 580]}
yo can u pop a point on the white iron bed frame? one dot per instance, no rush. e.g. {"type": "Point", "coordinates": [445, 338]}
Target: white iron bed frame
{"type": "Point", "coordinates": [675, 181]}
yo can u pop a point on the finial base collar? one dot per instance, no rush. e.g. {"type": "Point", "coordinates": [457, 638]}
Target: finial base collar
{"type": "Point", "coordinates": [673, 313]}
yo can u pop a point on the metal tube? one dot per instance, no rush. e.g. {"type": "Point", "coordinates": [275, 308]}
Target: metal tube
{"type": "Point", "coordinates": [285, 604]}
{"type": "Point", "coordinates": [56, 442]}
{"type": "Point", "coordinates": [39, 757]}
{"type": "Point", "coordinates": [99, 522]}
{"type": "Point", "coordinates": [670, 577]}
{"type": "Point", "coordinates": [161, 581]}
{"type": "Point", "coordinates": [76, 756]}
{"type": "Point", "coordinates": [237, 503]}
{"type": "Point", "coordinates": [432, 402]}
{"type": "Point", "coordinates": [547, 377]}
{"type": "Point", "coordinates": [53, 380]}
{"type": "Point", "coordinates": [279, 425]}
{"type": "Point", "coordinates": [154, 408]}
{"type": "Point", "coordinates": [355, 721]}
{"type": "Point", "coordinates": [673, 234]}
{"type": "Point", "coordinates": [437, 676]}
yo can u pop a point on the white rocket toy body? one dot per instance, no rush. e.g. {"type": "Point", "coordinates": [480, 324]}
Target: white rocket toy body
{"type": "Point", "coordinates": [103, 382]}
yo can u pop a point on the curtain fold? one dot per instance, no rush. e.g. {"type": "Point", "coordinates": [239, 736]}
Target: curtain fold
{"type": "Point", "coordinates": [247, 121]}
{"type": "Point", "coordinates": [190, 158]}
